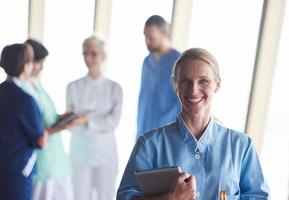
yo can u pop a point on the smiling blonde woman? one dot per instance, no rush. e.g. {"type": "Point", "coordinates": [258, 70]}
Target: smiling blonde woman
{"type": "Point", "coordinates": [220, 160]}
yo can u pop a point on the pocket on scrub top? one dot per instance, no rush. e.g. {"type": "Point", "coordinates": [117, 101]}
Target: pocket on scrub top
{"type": "Point", "coordinates": [232, 197]}
{"type": "Point", "coordinates": [231, 188]}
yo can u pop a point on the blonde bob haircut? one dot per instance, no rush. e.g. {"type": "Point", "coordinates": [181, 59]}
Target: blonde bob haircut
{"type": "Point", "coordinates": [194, 54]}
{"type": "Point", "coordinates": [95, 40]}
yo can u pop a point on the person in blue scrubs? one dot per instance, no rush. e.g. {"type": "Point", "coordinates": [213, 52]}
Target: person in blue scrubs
{"type": "Point", "coordinates": [158, 104]}
{"type": "Point", "coordinates": [20, 126]}
{"type": "Point", "coordinates": [214, 159]}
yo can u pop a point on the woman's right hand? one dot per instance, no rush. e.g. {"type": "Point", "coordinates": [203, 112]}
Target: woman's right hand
{"type": "Point", "coordinates": [184, 188]}
{"type": "Point", "coordinates": [42, 140]}
{"type": "Point", "coordinates": [79, 120]}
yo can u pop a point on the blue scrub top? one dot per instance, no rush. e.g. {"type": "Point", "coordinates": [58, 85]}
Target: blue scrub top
{"type": "Point", "coordinates": [158, 104]}
{"type": "Point", "coordinates": [20, 127]}
{"type": "Point", "coordinates": [222, 160]}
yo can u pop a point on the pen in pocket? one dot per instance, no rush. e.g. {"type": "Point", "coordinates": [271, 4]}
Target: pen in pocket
{"type": "Point", "coordinates": [222, 195]}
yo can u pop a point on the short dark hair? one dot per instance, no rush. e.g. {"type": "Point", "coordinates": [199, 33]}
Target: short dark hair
{"type": "Point", "coordinates": [14, 57]}
{"type": "Point", "coordinates": [40, 52]}
{"type": "Point", "coordinates": [160, 22]}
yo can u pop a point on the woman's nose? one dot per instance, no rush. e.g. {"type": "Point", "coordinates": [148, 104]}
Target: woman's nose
{"type": "Point", "coordinates": [193, 88]}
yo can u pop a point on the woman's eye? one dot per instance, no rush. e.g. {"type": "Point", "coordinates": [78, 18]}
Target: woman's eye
{"type": "Point", "coordinates": [204, 81]}
{"type": "Point", "coordinates": [184, 82]}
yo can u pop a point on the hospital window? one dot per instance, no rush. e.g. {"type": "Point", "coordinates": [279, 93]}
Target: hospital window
{"type": "Point", "coordinates": [275, 150]}
{"type": "Point", "coordinates": [126, 53]}
{"type": "Point", "coordinates": [14, 24]}
{"type": "Point", "coordinates": [229, 30]}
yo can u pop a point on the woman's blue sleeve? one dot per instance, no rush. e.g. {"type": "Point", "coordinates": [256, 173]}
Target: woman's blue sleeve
{"type": "Point", "coordinates": [252, 182]}
{"type": "Point", "coordinates": [30, 120]}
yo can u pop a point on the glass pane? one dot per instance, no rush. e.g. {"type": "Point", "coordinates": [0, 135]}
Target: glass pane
{"type": "Point", "coordinates": [14, 23]}
{"type": "Point", "coordinates": [231, 36]}
{"type": "Point", "coordinates": [126, 53]}
{"type": "Point", "coordinates": [276, 143]}
{"type": "Point", "coordinates": [67, 23]}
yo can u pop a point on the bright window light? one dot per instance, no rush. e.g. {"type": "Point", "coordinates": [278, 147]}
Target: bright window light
{"type": "Point", "coordinates": [229, 30]}
{"type": "Point", "coordinates": [275, 151]}
{"type": "Point", "coordinates": [126, 53]}
{"type": "Point", "coordinates": [14, 24]}
{"type": "Point", "coordinates": [66, 24]}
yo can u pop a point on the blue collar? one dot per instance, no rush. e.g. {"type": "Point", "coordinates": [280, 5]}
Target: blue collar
{"type": "Point", "coordinates": [190, 140]}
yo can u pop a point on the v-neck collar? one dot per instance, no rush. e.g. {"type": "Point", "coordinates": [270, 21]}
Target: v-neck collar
{"type": "Point", "coordinates": [188, 137]}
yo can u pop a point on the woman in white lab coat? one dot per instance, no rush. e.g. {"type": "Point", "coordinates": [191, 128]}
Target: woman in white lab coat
{"type": "Point", "coordinates": [93, 148]}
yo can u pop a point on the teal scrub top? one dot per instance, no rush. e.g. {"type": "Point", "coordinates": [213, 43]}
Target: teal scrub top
{"type": "Point", "coordinates": [52, 161]}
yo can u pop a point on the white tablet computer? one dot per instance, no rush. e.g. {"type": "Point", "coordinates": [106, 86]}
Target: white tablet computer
{"type": "Point", "coordinates": [155, 182]}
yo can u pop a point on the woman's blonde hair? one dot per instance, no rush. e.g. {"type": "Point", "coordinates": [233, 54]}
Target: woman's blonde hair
{"type": "Point", "coordinates": [193, 54]}
{"type": "Point", "coordinates": [95, 40]}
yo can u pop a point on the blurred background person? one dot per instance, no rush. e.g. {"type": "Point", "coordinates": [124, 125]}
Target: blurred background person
{"type": "Point", "coordinates": [53, 178]}
{"type": "Point", "coordinates": [158, 104]}
{"type": "Point", "coordinates": [21, 130]}
{"type": "Point", "coordinates": [93, 148]}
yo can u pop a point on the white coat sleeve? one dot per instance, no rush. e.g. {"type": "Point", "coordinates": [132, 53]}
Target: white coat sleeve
{"type": "Point", "coordinates": [69, 98]}
{"type": "Point", "coordinates": [108, 121]}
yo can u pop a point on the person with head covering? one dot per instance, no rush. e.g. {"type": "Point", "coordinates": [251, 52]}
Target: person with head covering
{"type": "Point", "coordinates": [21, 130]}
{"type": "Point", "coordinates": [157, 104]}
{"type": "Point", "coordinates": [216, 161]}
{"type": "Point", "coordinates": [53, 178]}
{"type": "Point", "coordinates": [93, 148]}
